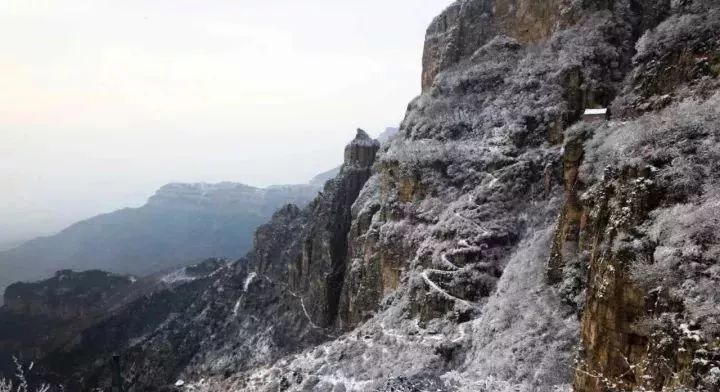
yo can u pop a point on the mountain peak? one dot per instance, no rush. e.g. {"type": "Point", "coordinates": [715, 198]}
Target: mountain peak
{"type": "Point", "coordinates": [361, 150]}
{"type": "Point", "coordinates": [361, 134]}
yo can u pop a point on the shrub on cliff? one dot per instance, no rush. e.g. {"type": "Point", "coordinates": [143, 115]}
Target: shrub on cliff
{"type": "Point", "coordinates": [22, 384]}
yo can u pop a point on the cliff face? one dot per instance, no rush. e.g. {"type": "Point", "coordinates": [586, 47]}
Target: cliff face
{"type": "Point", "coordinates": [75, 318]}
{"type": "Point", "coordinates": [324, 248]}
{"type": "Point", "coordinates": [630, 252]}
{"type": "Point", "coordinates": [497, 243]}
{"type": "Point", "coordinates": [455, 229]}
{"type": "Point", "coordinates": [465, 26]}
{"type": "Point", "coordinates": [39, 317]}
{"type": "Point", "coordinates": [650, 316]}
{"type": "Point", "coordinates": [283, 296]}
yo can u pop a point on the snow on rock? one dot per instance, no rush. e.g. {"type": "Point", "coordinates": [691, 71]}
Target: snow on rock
{"type": "Point", "coordinates": [177, 276]}
{"type": "Point", "coordinates": [422, 266]}
{"type": "Point", "coordinates": [249, 280]}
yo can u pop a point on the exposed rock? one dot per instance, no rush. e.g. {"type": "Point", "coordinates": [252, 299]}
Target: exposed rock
{"type": "Point", "coordinates": [284, 296]}
{"type": "Point", "coordinates": [493, 235]}
{"type": "Point", "coordinates": [641, 327]}
{"type": "Point", "coordinates": [76, 316]}
{"type": "Point", "coordinates": [639, 330]}
{"type": "Point", "coordinates": [467, 25]}
{"type": "Point", "coordinates": [384, 138]}
{"type": "Point", "coordinates": [40, 317]}
{"type": "Point", "coordinates": [324, 253]}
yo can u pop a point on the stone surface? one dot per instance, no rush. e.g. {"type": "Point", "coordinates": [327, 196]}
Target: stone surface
{"type": "Point", "coordinates": [639, 330]}
{"type": "Point", "coordinates": [494, 241]}
{"type": "Point", "coordinates": [465, 26]}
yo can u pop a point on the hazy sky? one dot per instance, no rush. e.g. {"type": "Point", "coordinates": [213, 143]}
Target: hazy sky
{"type": "Point", "coordinates": [102, 102]}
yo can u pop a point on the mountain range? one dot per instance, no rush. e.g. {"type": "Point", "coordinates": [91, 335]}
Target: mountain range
{"type": "Point", "coordinates": [502, 241]}
{"type": "Point", "coordinates": [179, 224]}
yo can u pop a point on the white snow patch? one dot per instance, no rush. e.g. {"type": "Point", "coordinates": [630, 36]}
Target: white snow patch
{"type": "Point", "coordinates": [589, 112]}
{"type": "Point", "coordinates": [177, 277]}
{"type": "Point", "coordinates": [692, 335]}
{"type": "Point", "coordinates": [236, 308]}
{"type": "Point", "coordinates": [249, 280]}
{"type": "Point", "coordinates": [437, 288]}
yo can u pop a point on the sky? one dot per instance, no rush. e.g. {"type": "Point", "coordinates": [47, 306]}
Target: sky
{"type": "Point", "coordinates": [102, 102]}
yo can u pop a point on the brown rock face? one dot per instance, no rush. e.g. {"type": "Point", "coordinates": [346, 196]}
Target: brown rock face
{"type": "Point", "coordinates": [610, 344]}
{"type": "Point", "coordinates": [572, 219]}
{"type": "Point", "coordinates": [466, 25]}
{"type": "Point", "coordinates": [591, 221]}
{"type": "Point", "coordinates": [639, 329]}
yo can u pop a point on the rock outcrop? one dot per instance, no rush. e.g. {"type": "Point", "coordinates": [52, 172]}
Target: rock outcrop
{"type": "Point", "coordinates": [320, 272]}
{"type": "Point", "coordinates": [465, 26]}
{"type": "Point", "coordinates": [622, 242]}
{"type": "Point", "coordinates": [283, 296]}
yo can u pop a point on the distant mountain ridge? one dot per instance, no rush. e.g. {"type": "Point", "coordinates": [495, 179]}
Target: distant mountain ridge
{"type": "Point", "coordinates": [5, 245]}
{"type": "Point", "coordinates": [230, 196]}
{"type": "Point", "coordinates": [180, 223]}
{"type": "Point", "coordinates": [501, 242]}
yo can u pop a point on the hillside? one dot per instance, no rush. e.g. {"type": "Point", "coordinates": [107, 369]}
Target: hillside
{"type": "Point", "coordinates": [40, 318]}
{"type": "Point", "coordinates": [501, 242]}
{"type": "Point", "coordinates": [179, 224]}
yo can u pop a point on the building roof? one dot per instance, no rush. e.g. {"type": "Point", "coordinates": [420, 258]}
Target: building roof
{"type": "Point", "coordinates": [595, 111]}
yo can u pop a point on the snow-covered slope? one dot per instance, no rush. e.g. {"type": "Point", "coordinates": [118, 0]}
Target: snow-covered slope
{"type": "Point", "coordinates": [495, 243]}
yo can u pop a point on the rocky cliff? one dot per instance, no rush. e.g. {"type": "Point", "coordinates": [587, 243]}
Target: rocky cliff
{"type": "Point", "coordinates": [465, 26]}
{"type": "Point", "coordinates": [53, 319]}
{"type": "Point", "coordinates": [499, 242]}
{"type": "Point", "coordinates": [283, 296]}
{"type": "Point", "coordinates": [39, 317]}
{"type": "Point", "coordinates": [633, 220]}
{"type": "Point", "coordinates": [628, 251]}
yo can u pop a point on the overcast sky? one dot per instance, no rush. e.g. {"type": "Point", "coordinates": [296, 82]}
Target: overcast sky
{"type": "Point", "coordinates": [102, 102]}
